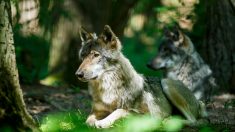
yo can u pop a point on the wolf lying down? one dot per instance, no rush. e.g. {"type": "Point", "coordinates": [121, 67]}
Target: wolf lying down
{"type": "Point", "coordinates": [180, 61]}
{"type": "Point", "coordinates": [118, 90]}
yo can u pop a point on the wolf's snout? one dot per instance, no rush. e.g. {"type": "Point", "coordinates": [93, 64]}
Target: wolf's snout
{"type": "Point", "coordinates": [79, 74]}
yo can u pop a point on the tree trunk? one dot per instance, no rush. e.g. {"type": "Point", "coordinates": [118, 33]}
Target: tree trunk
{"type": "Point", "coordinates": [114, 13]}
{"type": "Point", "coordinates": [219, 47]}
{"type": "Point", "coordinates": [12, 107]}
{"type": "Point", "coordinates": [63, 59]}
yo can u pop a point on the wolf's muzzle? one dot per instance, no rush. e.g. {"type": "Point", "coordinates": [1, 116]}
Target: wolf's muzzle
{"type": "Point", "coordinates": [79, 74]}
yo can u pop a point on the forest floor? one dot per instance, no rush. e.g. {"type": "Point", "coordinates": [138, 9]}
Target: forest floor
{"type": "Point", "coordinates": [42, 100]}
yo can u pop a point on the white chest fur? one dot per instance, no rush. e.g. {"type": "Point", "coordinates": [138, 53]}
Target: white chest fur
{"type": "Point", "coordinates": [110, 85]}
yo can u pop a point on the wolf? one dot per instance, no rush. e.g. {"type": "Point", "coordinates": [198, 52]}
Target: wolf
{"type": "Point", "coordinates": [117, 90]}
{"type": "Point", "coordinates": [180, 61]}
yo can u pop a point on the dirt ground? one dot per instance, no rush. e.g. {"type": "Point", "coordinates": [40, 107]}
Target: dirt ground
{"type": "Point", "coordinates": [42, 100]}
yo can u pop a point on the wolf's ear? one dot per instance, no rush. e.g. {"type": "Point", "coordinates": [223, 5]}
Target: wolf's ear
{"type": "Point", "coordinates": [108, 34]}
{"type": "Point", "coordinates": [110, 38]}
{"type": "Point", "coordinates": [84, 35]}
{"type": "Point", "coordinates": [173, 33]}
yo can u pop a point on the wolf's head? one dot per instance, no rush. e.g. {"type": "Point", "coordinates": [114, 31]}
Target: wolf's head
{"type": "Point", "coordinates": [171, 50]}
{"type": "Point", "coordinates": [98, 54]}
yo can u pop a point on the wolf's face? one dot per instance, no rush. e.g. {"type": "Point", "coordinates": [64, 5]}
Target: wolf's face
{"type": "Point", "coordinates": [170, 50]}
{"type": "Point", "coordinates": [98, 54]}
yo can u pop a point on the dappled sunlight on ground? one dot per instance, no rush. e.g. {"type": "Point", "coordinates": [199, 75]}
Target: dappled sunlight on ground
{"type": "Point", "coordinates": [42, 100]}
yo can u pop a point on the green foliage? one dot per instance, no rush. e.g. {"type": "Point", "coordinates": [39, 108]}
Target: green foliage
{"type": "Point", "coordinates": [173, 124]}
{"type": "Point", "coordinates": [70, 121]}
{"type": "Point", "coordinates": [215, 128]}
{"type": "Point", "coordinates": [139, 55]}
{"type": "Point", "coordinates": [75, 122]}
{"type": "Point", "coordinates": [141, 124]}
{"type": "Point", "coordinates": [144, 6]}
{"type": "Point", "coordinates": [32, 54]}
{"type": "Point", "coordinates": [164, 9]}
{"type": "Point", "coordinates": [206, 129]}
{"type": "Point", "coordinates": [6, 128]}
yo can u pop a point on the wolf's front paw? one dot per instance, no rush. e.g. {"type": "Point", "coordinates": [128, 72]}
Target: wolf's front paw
{"type": "Point", "coordinates": [103, 123]}
{"type": "Point", "coordinates": [91, 120]}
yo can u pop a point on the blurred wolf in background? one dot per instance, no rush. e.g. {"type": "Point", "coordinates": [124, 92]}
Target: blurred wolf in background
{"type": "Point", "coordinates": [118, 90]}
{"type": "Point", "coordinates": [180, 61]}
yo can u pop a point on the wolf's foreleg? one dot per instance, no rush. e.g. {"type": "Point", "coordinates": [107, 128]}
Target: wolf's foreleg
{"type": "Point", "coordinates": [99, 111]}
{"type": "Point", "coordinates": [91, 120]}
{"type": "Point", "coordinates": [110, 119]}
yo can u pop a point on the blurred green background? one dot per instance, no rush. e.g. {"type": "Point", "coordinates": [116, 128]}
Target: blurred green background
{"type": "Point", "coordinates": [47, 40]}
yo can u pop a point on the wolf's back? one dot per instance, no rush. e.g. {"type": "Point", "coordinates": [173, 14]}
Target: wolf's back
{"type": "Point", "coordinates": [153, 85]}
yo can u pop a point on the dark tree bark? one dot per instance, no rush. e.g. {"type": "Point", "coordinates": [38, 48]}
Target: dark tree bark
{"type": "Point", "coordinates": [99, 13]}
{"type": "Point", "coordinates": [12, 107]}
{"type": "Point", "coordinates": [219, 46]}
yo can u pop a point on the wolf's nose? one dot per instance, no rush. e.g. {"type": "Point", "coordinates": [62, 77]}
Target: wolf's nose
{"type": "Point", "coordinates": [79, 74]}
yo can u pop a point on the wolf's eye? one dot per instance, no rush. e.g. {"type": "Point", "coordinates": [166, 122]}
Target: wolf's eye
{"type": "Point", "coordinates": [189, 17]}
{"type": "Point", "coordinates": [96, 54]}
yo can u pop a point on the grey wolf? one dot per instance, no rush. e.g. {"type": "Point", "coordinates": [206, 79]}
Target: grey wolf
{"type": "Point", "coordinates": [180, 61]}
{"type": "Point", "coordinates": [117, 90]}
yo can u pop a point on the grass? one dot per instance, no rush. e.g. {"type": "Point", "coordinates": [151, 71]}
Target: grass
{"type": "Point", "coordinates": [75, 122]}
{"type": "Point", "coordinates": [65, 121]}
